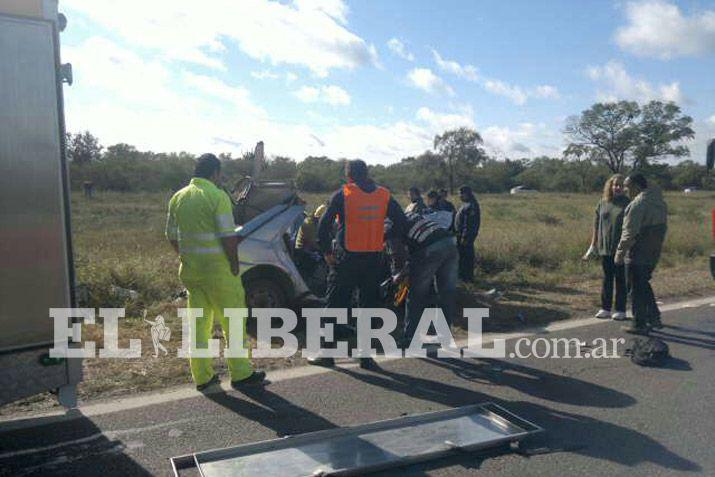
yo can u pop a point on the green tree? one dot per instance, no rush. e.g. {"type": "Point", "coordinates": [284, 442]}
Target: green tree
{"type": "Point", "coordinates": [82, 148]}
{"type": "Point", "coordinates": [605, 133]}
{"type": "Point", "coordinates": [280, 168]}
{"type": "Point", "coordinates": [319, 174]}
{"type": "Point", "coordinates": [689, 174]}
{"type": "Point", "coordinates": [462, 150]}
{"type": "Point", "coordinates": [623, 133]}
{"type": "Point", "coordinates": [661, 128]}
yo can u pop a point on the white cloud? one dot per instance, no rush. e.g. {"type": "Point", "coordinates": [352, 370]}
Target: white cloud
{"type": "Point", "coordinates": [426, 80]}
{"type": "Point", "coordinates": [160, 111]}
{"type": "Point", "coordinates": [336, 95]}
{"type": "Point", "coordinates": [514, 93]}
{"type": "Point", "coordinates": [333, 95]}
{"type": "Point", "coordinates": [519, 95]}
{"type": "Point", "coordinates": [236, 96]}
{"type": "Point", "coordinates": [399, 48]}
{"type": "Point", "coordinates": [310, 33]}
{"type": "Point", "coordinates": [336, 9]}
{"type": "Point", "coordinates": [526, 140]}
{"type": "Point", "coordinates": [617, 84]}
{"type": "Point", "coordinates": [546, 91]}
{"type": "Point", "coordinates": [467, 72]}
{"type": "Point", "coordinates": [102, 65]}
{"type": "Point", "coordinates": [704, 133]}
{"type": "Point", "coordinates": [265, 74]}
{"type": "Point", "coordinates": [659, 29]}
{"type": "Point", "coordinates": [443, 121]}
{"type": "Point", "coordinates": [393, 141]}
{"type": "Point", "coordinates": [308, 94]}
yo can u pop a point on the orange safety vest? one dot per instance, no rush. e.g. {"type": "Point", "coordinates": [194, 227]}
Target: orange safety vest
{"type": "Point", "coordinates": [365, 214]}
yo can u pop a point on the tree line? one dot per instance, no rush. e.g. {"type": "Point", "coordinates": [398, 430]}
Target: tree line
{"type": "Point", "coordinates": [606, 138]}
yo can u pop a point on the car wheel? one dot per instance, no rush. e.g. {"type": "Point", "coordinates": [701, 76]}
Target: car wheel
{"type": "Point", "coordinates": [264, 293]}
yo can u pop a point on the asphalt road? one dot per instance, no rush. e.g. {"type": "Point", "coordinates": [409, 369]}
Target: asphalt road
{"type": "Point", "coordinates": [603, 417]}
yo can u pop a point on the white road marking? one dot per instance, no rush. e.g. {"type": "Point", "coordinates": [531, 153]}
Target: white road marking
{"type": "Point", "coordinates": [186, 392]}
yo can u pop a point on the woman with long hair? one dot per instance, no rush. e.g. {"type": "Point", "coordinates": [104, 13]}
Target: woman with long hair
{"type": "Point", "coordinates": [604, 240]}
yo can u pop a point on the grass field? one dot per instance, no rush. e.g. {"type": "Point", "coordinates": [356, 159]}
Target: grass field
{"type": "Point", "coordinates": [529, 246]}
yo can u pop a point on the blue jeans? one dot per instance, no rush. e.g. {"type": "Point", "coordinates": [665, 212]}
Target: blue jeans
{"type": "Point", "coordinates": [435, 264]}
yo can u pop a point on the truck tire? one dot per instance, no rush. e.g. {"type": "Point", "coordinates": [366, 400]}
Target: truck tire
{"type": "Point", "coordinates": [265, 293]}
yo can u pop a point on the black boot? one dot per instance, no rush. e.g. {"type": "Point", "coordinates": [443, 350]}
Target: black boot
{"type": "Point", "coordinates": [258, 378]}
{"type": "Point", "coordinates": [325, 362]}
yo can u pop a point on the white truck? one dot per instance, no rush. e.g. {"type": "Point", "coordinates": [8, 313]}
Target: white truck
{"type": "Point", "coordinates": [36, 271]}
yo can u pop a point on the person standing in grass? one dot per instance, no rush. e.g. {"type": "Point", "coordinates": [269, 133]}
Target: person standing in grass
{"type": "Point", "coordinates": [644, 227]}
{"type": "Point", "coordinates": [466, 228]}
{"type": "Point", "coordinates": [607, 227]}
{"type": "Point", "coordinates": [201, 229]}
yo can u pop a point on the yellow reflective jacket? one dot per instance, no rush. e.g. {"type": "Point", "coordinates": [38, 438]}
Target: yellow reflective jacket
{"type": "Point", "coordinates": [199, 215]}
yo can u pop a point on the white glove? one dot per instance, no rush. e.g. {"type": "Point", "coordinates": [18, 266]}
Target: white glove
{"type": "Point", "coordinates": [589, 253]}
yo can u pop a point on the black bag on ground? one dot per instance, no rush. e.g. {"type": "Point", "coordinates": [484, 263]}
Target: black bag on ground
{"type": "Point", "coordinates": [650, 352]}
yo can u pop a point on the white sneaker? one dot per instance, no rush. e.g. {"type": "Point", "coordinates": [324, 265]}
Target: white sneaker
{"type": "Point", "coordinates": [619, 316]}
{"type": "Point", "coordinates": [603, 314]}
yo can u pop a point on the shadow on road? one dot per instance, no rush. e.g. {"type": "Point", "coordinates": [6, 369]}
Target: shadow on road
{"type": "Point", "coordinates": [272, 411]}
{"type": "Point", "coordinates": [71, 445]}
{"type": "Point", "coordinates": [536, 382]}
{"type": "Point", "coordinates": [684, 339]}
{"type": "Point", "coordinates": [583, 435]}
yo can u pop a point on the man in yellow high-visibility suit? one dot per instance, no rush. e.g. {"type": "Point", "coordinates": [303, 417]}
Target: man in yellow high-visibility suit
{"type": "Point", "coordinates": [201, 229]}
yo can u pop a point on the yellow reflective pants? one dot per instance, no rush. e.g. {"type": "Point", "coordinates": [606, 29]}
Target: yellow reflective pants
{"type": "Point", "coordinates": [213, 293]}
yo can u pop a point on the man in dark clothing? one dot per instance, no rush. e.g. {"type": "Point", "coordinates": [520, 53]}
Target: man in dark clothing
{"type": "Point", "coordinates": [644, 229]}
{"type": "Point", "coordinates": [416, 205]}
{"type": "Point", "coordinates": [431, 258]}
{"type": "Point", "coordinates": [444, 204]}
{"type": "Point", "coordinates": [436, 213]}
{"type": "Point", "coordinates": [354, 257]}
{"type": "Point", "coordinates": [466, 228]}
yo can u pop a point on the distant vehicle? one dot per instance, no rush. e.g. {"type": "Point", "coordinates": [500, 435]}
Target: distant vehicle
{"type": "Point", "coordinates": [690, 190]}
{"type": "Point", "coordinates": [522, 190]}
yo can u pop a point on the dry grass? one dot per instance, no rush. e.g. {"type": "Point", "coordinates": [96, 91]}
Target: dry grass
{"type": "Point", "coordinates": [529, 246]}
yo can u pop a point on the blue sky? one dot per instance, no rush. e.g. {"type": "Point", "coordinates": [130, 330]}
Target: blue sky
{"type": "Point", "coordinates": [376, 79]}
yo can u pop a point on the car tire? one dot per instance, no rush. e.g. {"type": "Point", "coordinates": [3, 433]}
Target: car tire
{"type": "Point", "coordinates": [265, 293]}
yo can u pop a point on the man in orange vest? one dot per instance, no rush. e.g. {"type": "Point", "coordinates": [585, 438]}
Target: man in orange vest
{"type": "Point", "coordinates": [360, 207]}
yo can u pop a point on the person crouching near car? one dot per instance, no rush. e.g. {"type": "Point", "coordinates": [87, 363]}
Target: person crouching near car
{"type": "Point", "coordinates": [607, 226]}
{"type": "Point", "coordinates": [424, 254]}
{"type": "Point", "coordinates": [644, 229]}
